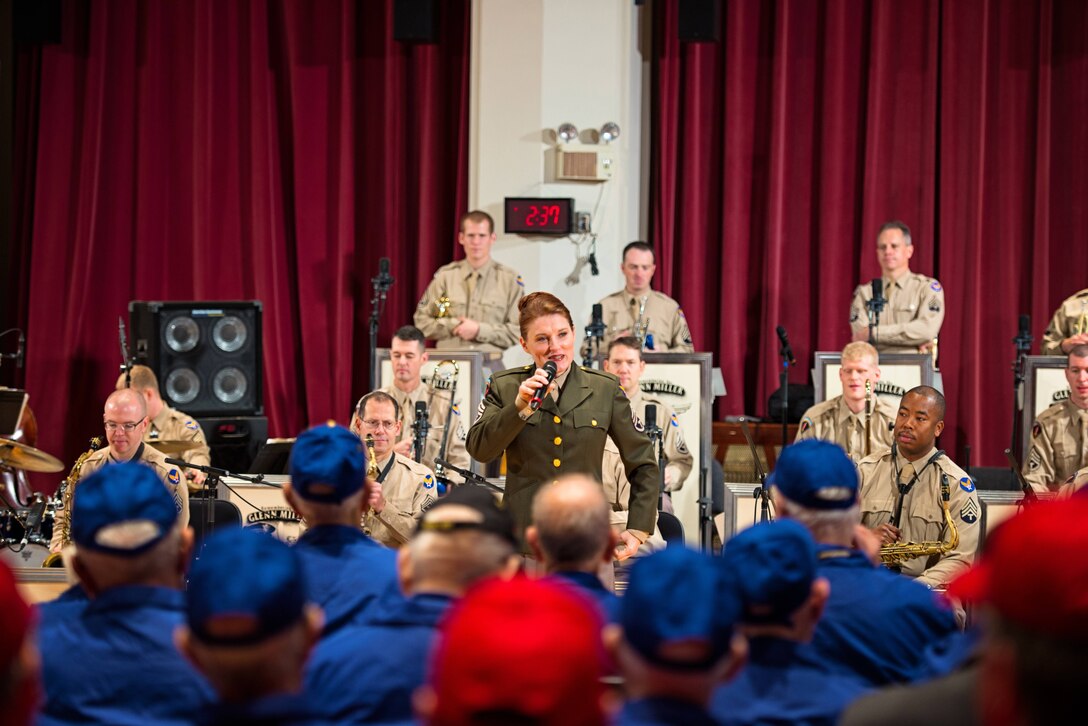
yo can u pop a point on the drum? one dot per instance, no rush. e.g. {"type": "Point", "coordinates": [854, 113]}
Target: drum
{"type": "Point", "coordinates": [36, 549]}
{"type": "Point", "coordinates": [32, 554]}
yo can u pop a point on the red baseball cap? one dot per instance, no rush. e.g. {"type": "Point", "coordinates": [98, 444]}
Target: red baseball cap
{"type": "Point", "coordinates": [518, 649]}
{"type": "Point", "coordinates": [17, 619]}
{"type": "Point", "coordinates": [1034, 570]}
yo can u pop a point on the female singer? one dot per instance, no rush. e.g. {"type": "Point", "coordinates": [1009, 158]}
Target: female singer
{"type": "Point", "coordinates": [552, 427]}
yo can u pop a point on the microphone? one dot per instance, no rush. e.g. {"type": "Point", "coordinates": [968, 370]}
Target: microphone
{"type": "Point", "coordinates": [878, 302]}
{"type": "Point", "coordinates": [383, 270]}
{"type": "Point", "coordinates": [538, 397]}
{"type": "Point", "coordinates": [177, 462]}
{"type": "Point", "coordinates": [597, 317]}
{"type": "Point", "coordinates": [651, 416]}
{"type": "Point", "coordinates": [19, 352]}
{"type": "Point", "coordinates": [421, 410]}
{"type": "Point", "coordinates": [786, 351]}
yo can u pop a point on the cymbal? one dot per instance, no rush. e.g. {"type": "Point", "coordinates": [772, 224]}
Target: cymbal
{"type": "Point", "coordinates": [167, 446]}
{"type": "Point", "coordinates": [18, 455]}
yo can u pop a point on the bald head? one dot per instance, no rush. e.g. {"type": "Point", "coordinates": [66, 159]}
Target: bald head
{"type": "Point", "coordinates": [126, 401]}
{"type": "Point", "coordinates": [125, 421]}
{"type": "Point", "coordinates": [571, 524]}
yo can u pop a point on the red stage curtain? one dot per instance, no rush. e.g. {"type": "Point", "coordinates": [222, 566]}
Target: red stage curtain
{"type": "Point", "coordinates": [214, 150]}
{"type": "Point", "coordinates": [778, 152]}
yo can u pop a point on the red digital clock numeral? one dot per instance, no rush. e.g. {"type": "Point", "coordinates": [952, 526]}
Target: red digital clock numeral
{"type": "Point", "coordinates": [542, 215]}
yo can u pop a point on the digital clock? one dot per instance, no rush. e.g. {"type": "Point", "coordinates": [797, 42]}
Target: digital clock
{"type": "Point", "coordinates": [533, 215]}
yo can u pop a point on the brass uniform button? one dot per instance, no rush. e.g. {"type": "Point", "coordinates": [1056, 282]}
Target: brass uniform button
{"type": "Point", "coordinates": [556, 419]}
{"type": "Point", "coordinates": [556, 463]}
{"type": "Point", "coordinates": [558, 440]}
{"type": "Point", "coordinates": [593, 422]}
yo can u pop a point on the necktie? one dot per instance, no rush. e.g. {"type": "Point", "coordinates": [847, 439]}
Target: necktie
{"type": "Point", "coordinates": [470, 285]}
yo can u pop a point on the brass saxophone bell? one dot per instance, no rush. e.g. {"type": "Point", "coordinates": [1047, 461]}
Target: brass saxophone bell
{"type": "Point", "coordinates": [442, 307]}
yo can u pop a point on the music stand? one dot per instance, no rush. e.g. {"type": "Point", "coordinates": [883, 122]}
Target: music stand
{"type": "Point", "coordinates": [274, 457]}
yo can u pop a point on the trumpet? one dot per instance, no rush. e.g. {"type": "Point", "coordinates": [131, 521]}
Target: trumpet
{"type": "Point", "coordinates": [442, 307]}
{"type": "Point", "coordinates": [642, 324]}
{"type": "Point", "coordinates": [899, 552]}
{"type": "Point", "coordinates": [868, 417]}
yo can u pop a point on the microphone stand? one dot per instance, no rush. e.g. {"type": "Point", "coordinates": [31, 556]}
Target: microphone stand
{"type": "Point", "coordinates": [212, 476]}
{"type": "Point", "coordinates": [594, 336]}
{"type": "Point", "coordinates": [420, 429]}
{"type": "Point", "coordinates": [1030, 497]}
{"type": "Point", "coordinates": [1022, 341]}
{"type": "Point", "coordinates": [874, 306]}
{"type": "Point", "coordinates": [126, 364]}
{"type": "Point", "coordinates": [760, 491]}
{"type": "Point", "coordinates": [470, 477]}
{"type": "Point", "coordinates": [784, 386]}
{"type": "Point", "coordinates": [657, 440]}
{"type": "Point", "coordinates": [381, 284]}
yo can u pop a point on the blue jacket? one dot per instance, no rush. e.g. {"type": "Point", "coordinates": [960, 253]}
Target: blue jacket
{"type": "Point", "coordinates": [346, 572]}
{"type": "Point", "coordinates": [279, 710]}
{"type": "Point", "coordinates": [591, 585]}
{"type": "Point", "coordinates": [366, 673]}
{"type": "Point", "coordinates": [874, 632]}
{"type": "Point", "coordinates": [114, 660]}
{"type": "Point", "coordinates": [650, 711]}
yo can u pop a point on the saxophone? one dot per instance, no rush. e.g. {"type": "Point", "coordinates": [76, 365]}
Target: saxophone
{"type": "Point", "coordinates": [65, 492]}
{"type": "Point", "coordinates": [372, 472]}
{"type": "Point", "coordinates": [902, 551]}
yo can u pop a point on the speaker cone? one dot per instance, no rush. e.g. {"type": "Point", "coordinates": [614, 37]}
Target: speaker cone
{"type": "Point", "coordinates": [229, 385]}
{"type": "Point", "coordinates": [182, 385]}
{"type": "Point", "coordinates": [182, 334]}
{"type": "Point", "coordinates": [230, 333]}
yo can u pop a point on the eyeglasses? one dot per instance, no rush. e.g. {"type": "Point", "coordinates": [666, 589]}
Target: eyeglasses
{"type": "Point", "coordinates": [375, 424]}
{"type": "Point", "coordinates": [128, 427]}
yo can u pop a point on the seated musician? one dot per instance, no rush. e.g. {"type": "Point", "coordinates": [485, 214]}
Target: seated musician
{"type": "Point", "coordinates": [842, 420]}
{"type": "Point", "coordinates": [1059, 437]}
{"type": "Point", "coordinates": [125, 422]}
{"type": "Point", "coordinates": [901, 493]}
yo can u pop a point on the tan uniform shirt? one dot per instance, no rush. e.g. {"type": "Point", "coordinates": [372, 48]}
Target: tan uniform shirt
{"type": "Point", "coordinates": [912, 318]}
{"type": "Point", "coordinates": [408, 488]}
{"type": "Point", "coordinates": [1058, 446]}
{"type": "Point", "coordinates": [616, 487]}
{"type": "Point", "coordinates": [923, 519]}
{"type": "Point", "coordinates": [438, 408]}
{"type": "Point", "coordinates": [494, 304]}
{"type": "Point", "coordinates": [171, 476]}
{"type": "Point", "coordinates": [1075, 483]}
{"type": "Point", "coordinates": [1070, 319]}
{"type": "Point", "coordinates": [833, 421]}
{"type": "Point", "coordinates": [173, 425]}
{"type": "Point", "coordinates": [663, 317]}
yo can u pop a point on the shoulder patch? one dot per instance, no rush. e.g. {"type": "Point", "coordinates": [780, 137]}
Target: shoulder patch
{"type": "Point", "coordinates": [1036, 429]}
{"type": "Point", "coordinates": [521, 282]}
{"type": "Point", "coordinates": [457, 409]}
{"type": "Point", "coordinates": [191, 424]}
{"type": "Point", "coordinates": [1035, 460]}
{"type": "Point", "coordinates": [935, 286]}
{"type": "Point", "coordinates": [967, 485]}
{"type": "Point", "coordinates": [680, 312]}
{"type": "Point", "coordinates": [428, 482]}
{"type": "Point", "coordinates": [639, 426]}
{"type": "Point", "coordinates": [969, 512]}
{"type": "Point", "coordinates": [174, 476]}
{"type": "Point", "coordinates": [806, 424]}
{"type": "Point", "coordinates": [934, 306]}
{"type": "Point", "coordinates": [673, 420]}
{"type": "Point", "coordinates": [853, 315]}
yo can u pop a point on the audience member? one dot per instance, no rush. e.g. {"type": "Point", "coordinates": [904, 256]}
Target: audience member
{"type": "Point", "coordinates": [517, 651]}
{"type": "Point", "coordinates": [572, 538]}
{"type": "Point", "coordinates": [112, 658]}
{"type": "Point", "coordinates": [20, 677]}
{"type": "Point", "coordinates": [675, 640]}
{"type": "Point", "coordinates": [249, 628]}
{"type": "Point", "coordinates": [346, 570]}
{"type": "Point", "coordinates": [366, 673]}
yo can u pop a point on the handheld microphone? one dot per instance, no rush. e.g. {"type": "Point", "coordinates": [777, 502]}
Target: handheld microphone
{"type": "Point", "coordinates": [538, 397]}
{"type": "Point", "coordinates": [786, 351]}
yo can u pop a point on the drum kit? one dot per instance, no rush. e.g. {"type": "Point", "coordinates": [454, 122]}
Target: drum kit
{"type": "Point", "coordinates": [26, 516]}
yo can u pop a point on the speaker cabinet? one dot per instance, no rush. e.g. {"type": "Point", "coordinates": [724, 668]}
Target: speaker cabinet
{"type": "Point", "coordinates": [415, 21]}
{"type": "Point", "coordinates": [700, 21]}
{"type": "Point", "coordinates": [206, 355]}
{"type": "Point", "coordinates": [234, 441]}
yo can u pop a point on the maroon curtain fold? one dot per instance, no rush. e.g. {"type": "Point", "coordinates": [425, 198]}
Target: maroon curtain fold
{"type": "Point", "coordinates": [236, 150]}
{"type": "Point", "coordinates": [778, 152]}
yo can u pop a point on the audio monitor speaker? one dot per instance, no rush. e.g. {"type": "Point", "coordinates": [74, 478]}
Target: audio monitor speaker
{"type": "Point", "coordinates": [234, 441]}
{"type": "Point", "coordinates": [207, 355]}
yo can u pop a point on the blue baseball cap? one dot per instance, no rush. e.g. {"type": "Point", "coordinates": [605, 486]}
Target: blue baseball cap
{"type": "Point", "coordinates": [679, 609]}
{"type": "Point", "coordinates": [774, 564]}
{"type": "Point", "coordinates": [328, 464]}
{"type": "Point", "coordinates": [245, 586]}
{"type": "Point", "coordinates": [128, 493]}
{"type": "Point", "coordinates": [816, 474]}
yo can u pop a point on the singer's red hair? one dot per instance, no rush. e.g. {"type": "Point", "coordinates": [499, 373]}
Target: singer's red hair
{"type": "Point", "coordinates": [537, 305]}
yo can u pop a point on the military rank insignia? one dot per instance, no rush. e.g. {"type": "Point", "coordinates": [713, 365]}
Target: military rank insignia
{"type": "Point", "coordinates": [969, 512]}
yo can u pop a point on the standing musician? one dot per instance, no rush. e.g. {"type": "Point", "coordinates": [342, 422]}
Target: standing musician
{"type": "Point", "coordinates": [1059, 436]}
{"type": "Point", "coordinates": [625, 362]}
{"type": "Point", "coordinates": [562, 431]}
{"type": "Point", "coordinates": [915, 303]}
{"type": "Point", "coordinates": [901, 492]}
{"type": "Point", "coordinates": [471, 304]}
{"type": "Point", "coordinates": [1069, 326]}
{"type": "Point", "coordinates": [125, 421]}
{"type": "Point", "coordinates": [408, 354]}
{"type": "Point", "coordinates": [169, 424]}
{"type": "Point", "coordinates": [858, 420]}
{"type": "Point", "coordinates": [407, 488]}
{"type": "Point", "coordinates": [651, 317]}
